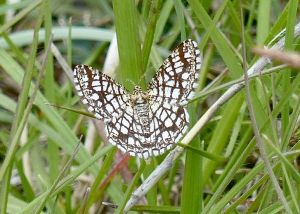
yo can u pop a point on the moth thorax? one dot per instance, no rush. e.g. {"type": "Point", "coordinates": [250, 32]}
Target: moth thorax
{"type": "Point", "coordinates": [140, 103]}
{"type": "Point", "coordinates": [138, 96]}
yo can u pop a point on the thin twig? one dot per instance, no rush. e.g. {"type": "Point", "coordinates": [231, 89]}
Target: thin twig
{"type": "Point", "coordinates": [254, 124]}
{"type": "Point", "coordinates": [208, 90]}
{"type": "Point", "coordinates": [170, 159]}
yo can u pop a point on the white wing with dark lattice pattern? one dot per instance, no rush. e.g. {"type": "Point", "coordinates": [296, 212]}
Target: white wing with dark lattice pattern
{"type": "Point", "coordinates": [148, 123]}
{"type": "Point", "coordinates": [104, 97]}
{"type": "Point", "coordinates": [167, 125]}
{"type": "Point", "coordinates": [177, 78]}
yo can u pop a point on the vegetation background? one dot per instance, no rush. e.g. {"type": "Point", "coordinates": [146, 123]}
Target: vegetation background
{"type": "Point", "coordinates": [240, 162]}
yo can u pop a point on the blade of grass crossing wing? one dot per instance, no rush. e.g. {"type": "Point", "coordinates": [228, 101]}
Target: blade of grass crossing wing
{"type": "Point", "coordinates": [149, 36]}
{"type": "Point", "coordinates": [129, 45]}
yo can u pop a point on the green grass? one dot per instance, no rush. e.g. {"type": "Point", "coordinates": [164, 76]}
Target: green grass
{"type": "Point", "coordinates": [226, 168]}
